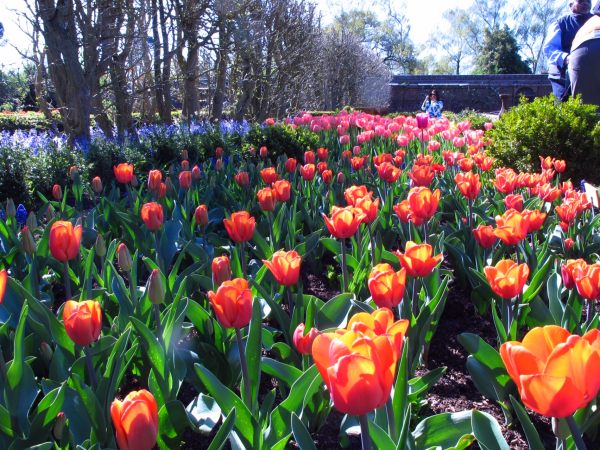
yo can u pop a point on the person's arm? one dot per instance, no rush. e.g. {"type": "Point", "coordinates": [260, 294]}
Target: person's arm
{"type": "Point", "coordinates": [425, 104]}
{"type": "Point", "coordinates": [553, 48]}
{"type": "Point", "coordinates": [441, 103]}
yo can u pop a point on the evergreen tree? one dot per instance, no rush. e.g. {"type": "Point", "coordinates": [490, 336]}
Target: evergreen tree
{"type": "Point", "coordinates": [499, 53]}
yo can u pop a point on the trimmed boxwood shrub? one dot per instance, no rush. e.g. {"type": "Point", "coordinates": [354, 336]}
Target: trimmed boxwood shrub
{"type": "Point", "coordinates": [568, 131]}
{"type": "Point", "coordinates": [282, 140]}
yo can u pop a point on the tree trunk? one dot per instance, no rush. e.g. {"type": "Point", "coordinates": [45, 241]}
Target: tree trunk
{"type": "Point", "coordinates": [221, 76]}
{"type": "Point", "coordinates": [65, 68]}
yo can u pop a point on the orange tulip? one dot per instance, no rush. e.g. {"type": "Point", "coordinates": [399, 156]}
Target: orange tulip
{"type": "Point", "coordinates": [322, 153]}
{"type": "Point", "coordinates": [201, 215]}
{"type": "Point", "coordinates": [162, 190]}
{"type": "Point", "coordinates": [353, 193]}
{"type": "Point", "coordinates": [587, 282]}
{"type": "Point", "coordinates": [185, 179]}
{"type": "Point", "coordinates": [514, 201]}
{"type": "Point", "coordinates": [123, 173]}
{"type": "Point", "coordinates": [358, 370]}
{"type": "Point", "coordinates": [135, 420]}
{"type": "Point", "coordinates": [64, 240]}
{"type": "Point", "coordinates": [308, 171]}
{"type": "Point", "coordinates": [387, 286]}
{"type": "Point", "coordinates": [484, 235]}
{"type": "Point", "coordinates": [83, 321]}
{"type": "Point", "coordinates": [285, 267]}
{"type": "Point", "coordinates": [417, 259]}
{"type": "Point", "coordinates": [507, 278]}
{"type": "Point", "coordinates": [560, 165]}
{"type": "Point", "coordinates": [423, 203]}
{"type": "Point", "coordinates": [506, 180]}
{"type": "Point", "coordinates": [536, 219]}
{"type": "Point", "coordinates": [152, 215]}
{"type": "Point", "coordinates": [369, 207]}
{"type": "Point", "coordinates": [388, 172]}
{"type": "Point", "coordinates": [556, 372]}
{"type": "Point", "coordinates": [511, 227]}
{"type": "Point", "coordinates": [381, 322]}
{"type": "Point", "coordinates": [232, 303]}
{"type": "Point", "coordinates": [240, 226]}
{"type": "Point", "coordinates": [283, 190]}
{"type": "Point", "coordinates": [327, 176]}
{"type": "Point", "coordinates": [303, 342]}
{"type": "Point", "coordinates": [269, 175]}
{"type": "Point", "coordinates": [266, 199]}
{"type": "Point", "coordinates": [344, 222]}
{"type": "Point", "coordinates": [421, 175]}
{"type": "Point", "coordinates": [468, 184]}
{"type": "Point", "coordinates": [154, 180]}
{"type": "Point", "coordinates": [3, 278]}
{"type": "Point", "coordinates": [546, 162]}
{"type": "Point", "coordinates": [405, 214]}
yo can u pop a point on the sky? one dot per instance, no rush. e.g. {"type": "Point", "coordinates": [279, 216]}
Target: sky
{"type": "Point", "coordinates": [425, 17]}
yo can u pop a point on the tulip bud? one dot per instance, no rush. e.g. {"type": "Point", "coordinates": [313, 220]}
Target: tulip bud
{"type": "Point", "coordinates": [303, 342]}
{"type": "Point", "coordinates": [124, 258]}
{"type": "Point", "coordinates": [59, 426]}
{"type": "Point", "coordinates": [57, 192]}
{"type": "Point", "coordinates": [184, 154]}
{"type": "Point", "coordinates": [341, 177]}
{"type": "Point", "coordinates": [100, 246]}
{"type": "Point", "coordinates": [11, 210]}
{"type": "Point", "coordinates": [201, 215]}
{"type": "Point", "coordinates": [219, 152]}
{"type": "Point", "coordinates": [31, 221]}
{"type": "Point", "coordinates": [156, 287]}
{"type": "Point", "coordinates": [50, 213]}
{"type": "Point", "coordinates": [221, 269]}
{"type": "Point", "coordinates": [27, 241]}
{"type": "Point", "coordinates": [185, 165]}
{"type": "Point", "coordinates": [263, 152]}
{"type": "Point", "coordinates": [219, 164]}
{"type": "Point", "coordinates": [569, 243]}
{"type": "Point", "coordinates": [422, 121]}
{"type": "Point", "coordinates": [46, 352]}
{"type": "Point", "coordinates": [196, 174]}
{"type": "Point", "coordinates": [73, 172]}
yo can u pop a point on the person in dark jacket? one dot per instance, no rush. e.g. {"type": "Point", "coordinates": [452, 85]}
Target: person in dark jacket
{"type": "Point", "coordinates": [584, 60]}
{"type": "Point", "coordinates": [558, 45]}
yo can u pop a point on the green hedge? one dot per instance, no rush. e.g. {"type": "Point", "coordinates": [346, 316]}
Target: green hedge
{"type": "Point", "coordinates": [569, 131]}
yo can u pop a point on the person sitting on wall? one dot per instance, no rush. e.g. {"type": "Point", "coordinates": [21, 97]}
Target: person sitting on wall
{"type": "Point", "coordinates": [558, 45]}
{"type": "Point", "coordinates": [433, 105]}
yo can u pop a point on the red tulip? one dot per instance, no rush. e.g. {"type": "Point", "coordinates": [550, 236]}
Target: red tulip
{"type": "Point", "coordinates": [83, 321]}
{"type": "Point", "coordinates": [240, 226]}
{"type": "Point", "coordinates": [303, 342]}
{"type": "Point", "coordinates": [152, 215]}
{"type": "Point", "coordinates": [135, 420]}
{"type": "Point", "coordinates": [123, 173]}
{"type": "Point", "coordinates": [232, 303]}
{"type": "Point", "coordinates": [285, 267]}
{"type": "Point", "coordinates": [64, 240]}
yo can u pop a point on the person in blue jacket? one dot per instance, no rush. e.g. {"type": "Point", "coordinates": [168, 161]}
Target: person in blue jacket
{"type": "Point", "coordinates": [558, 45]}
{"type": "Point", "coordinates": [433, 105]}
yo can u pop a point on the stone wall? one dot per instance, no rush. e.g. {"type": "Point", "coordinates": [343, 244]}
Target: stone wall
{"type": "Point", "coordinates": [478, 92]}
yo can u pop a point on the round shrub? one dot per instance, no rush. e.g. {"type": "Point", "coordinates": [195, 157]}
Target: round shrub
{"type": "Point", "coordinates": [282, 140]}
{"type": "Point", "coordinates": [13, 172]}
{"type": "Point", "coordinates": [51, 166]}
{"type": "Point", "coordinates": [568, 131]}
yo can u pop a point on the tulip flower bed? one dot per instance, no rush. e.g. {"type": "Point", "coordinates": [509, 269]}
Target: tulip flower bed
{"type": "Point", "coordinates": [270, 303]}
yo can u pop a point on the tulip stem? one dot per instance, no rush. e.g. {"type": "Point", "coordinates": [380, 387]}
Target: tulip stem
{"type": "Point", "coordinates": [389, 412]}
{"type": "Point", "coordinates": [415, 297]}
{"type": "Point", "coordinates": [344, 268]}
{"type": "Point", "coordinates": [245, 373]}
{"type": "Point", "coordinates": [364, 432]}
{"type": "Point", "coordinates": [372, 239]}
{"type": "Point", "coordinates": [159, 333]}
{"type": "Point", "coordinates": [67, 281]}
{"type": "Point", "coordinates": [243, 259]}
{"type": "Point", "coordinates": [588, 313]}
{"type": "Point", "coordinates": [470, 213]}
{"type": "Point", "coordinates": [270, 220]}
{"type": "Point", "coordinates": [576, 433]}
{"type": "Point", "coordinates": [157, 249]}
{"type": "Point", "coordinates": [90, 367]}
